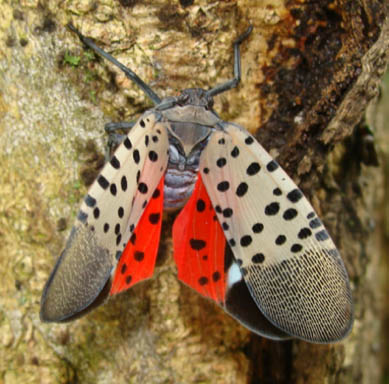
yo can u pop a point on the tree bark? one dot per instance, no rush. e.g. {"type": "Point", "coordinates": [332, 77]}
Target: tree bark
{"type": "Point", "coordinates": [309, 91]}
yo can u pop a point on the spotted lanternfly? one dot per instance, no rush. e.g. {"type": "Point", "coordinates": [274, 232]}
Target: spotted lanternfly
{"type": "Point", "coordinates": [246, 237]}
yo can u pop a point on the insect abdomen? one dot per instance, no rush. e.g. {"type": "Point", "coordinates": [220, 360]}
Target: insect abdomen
{"type": "Point", "coordinates": [178, 187]}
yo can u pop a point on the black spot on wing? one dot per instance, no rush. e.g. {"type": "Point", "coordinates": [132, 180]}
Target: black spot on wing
{"type": "Point", "coordinates": [113, 189]}
{"type": "Point", "coordinates": [289, 214]}
{"type": "Point", "coordinates": [295, 195]}
{"type": "Point", "coordinates": [82, 216]}
{"type": "Point", "coordinates": [153, 156]}
{"type": "Point", "coordinates": [242, 189]}
{"type": "Point", "coordinates": [322, 235]}
{"type": "Point", "coordinates": [103, 182]}
{"type": "Point", "coordinates": [115, 162]}
{"type": "Point", "coordinates": [272, 209]}
{"type": "Point", "coordinates": [127, 143]}
{"type": "Point", "coordinates": [257, 227]}
{"type": "Point", "coordinates": [90, 201]}
{"type": "Point", "coordinates": [123, 183]}
{"type": "Point", "coordinates": [272, 166]}
{"type": "Point", "coordinates": [197, 244]}
{"type": "Point", "coordinates": [200, 205]}
{"type": "Point", "coordinates": [154, 218]}
{"type": "Point", "coordinates": [223, 186]}
{"type": "Point", "coordinates": [139, 255]}
{"type": "Point", "coordinates": [253, 169]}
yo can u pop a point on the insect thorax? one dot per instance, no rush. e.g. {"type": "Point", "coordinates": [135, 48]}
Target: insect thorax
{"type": "Point", "coordinates": [190, 121]}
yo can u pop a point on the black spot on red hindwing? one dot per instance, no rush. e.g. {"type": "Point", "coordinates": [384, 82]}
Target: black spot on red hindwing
{"type": "Point", "coordinates": [128, 279]}
{"type": "Point", "coordinates": [123, 269]}
{"type": "Point", "coordinates": [156, 194]}
{"type": "Point", "coordinates": [197, 244]}
{"type": "Point", "coordinates": [133, 238]}
{"type": "Point", "coordinates": [200, 205]}
{"type": "Point", "coordinates": [216, 276]}
{"type": "Point", "coordinates": [203, 280]}
{"type": "Point", "coordinates": [139, 255]}
{"type": "Point", "coordinates": [154, 218]}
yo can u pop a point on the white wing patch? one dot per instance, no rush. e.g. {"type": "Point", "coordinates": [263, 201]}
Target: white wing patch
{"type": "Point", "coordinates": [289, 262]}
{"type": "Point", "coordinates": [107, 217]}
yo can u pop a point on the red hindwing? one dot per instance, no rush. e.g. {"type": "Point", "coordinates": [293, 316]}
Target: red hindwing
{"type": "Point", "coordinates": [199, 246]}
{"type": "Point", "coordinates": [138, 258]}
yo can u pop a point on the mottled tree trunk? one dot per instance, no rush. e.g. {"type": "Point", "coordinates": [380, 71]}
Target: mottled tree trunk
{"type": "Point", "coordinates": [309, 91]}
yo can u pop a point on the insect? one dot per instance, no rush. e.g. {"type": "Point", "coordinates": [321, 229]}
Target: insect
{"type": "Point", "coordinates": [245, 238]}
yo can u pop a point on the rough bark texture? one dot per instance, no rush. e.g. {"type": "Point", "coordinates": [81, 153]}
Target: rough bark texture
{"type": "Point", "coordinates": [310, 70]}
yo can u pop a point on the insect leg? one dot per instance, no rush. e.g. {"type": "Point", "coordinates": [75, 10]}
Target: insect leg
{"type": "Point", "coordinates": [114, 138]}
{"type": "Point", "coordinates": [127, 71]}
{"type": "Point", "coordinates": [237, 68]}
{"type": "Point", "coordinates": [118, 126]}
